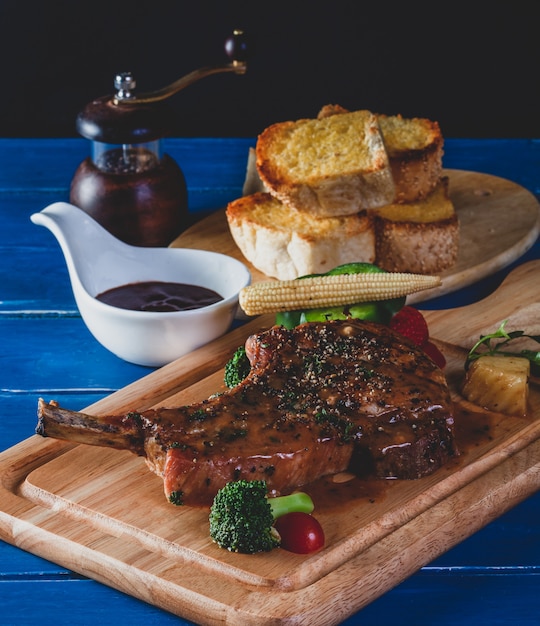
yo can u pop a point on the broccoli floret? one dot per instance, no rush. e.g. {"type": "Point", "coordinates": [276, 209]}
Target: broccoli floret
{"type": "Point", "coordinates": [176, 498]}
{"type": "Point", "coordinates": [242, 516]}
{"type": "Point", "coordinates": [237, 368]}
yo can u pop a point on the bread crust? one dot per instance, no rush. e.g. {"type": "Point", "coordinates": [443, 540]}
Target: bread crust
{"type": "Point", "coordinates": [415, 148]}
{"type": "Point", "coordinates": [328, 167]}
{"type": "Point", "coordinates": [284, 243]}
{"type": "Point", "coordinates": [416, 162]}
{"type": "Point", "coordinates": [420, 237]}
{"type": "Point", "coordinates": [430, 248]}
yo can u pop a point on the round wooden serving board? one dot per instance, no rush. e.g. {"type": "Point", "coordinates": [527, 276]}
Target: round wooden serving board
{"type": "Point", "coordinates": [499, 222]}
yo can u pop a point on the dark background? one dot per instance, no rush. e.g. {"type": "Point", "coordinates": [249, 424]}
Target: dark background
{"type": "Point", "coordinates": [475, 70]}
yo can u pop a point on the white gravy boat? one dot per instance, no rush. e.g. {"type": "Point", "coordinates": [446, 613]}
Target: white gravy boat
{"type": "Point", "coordinates": [97, 261]}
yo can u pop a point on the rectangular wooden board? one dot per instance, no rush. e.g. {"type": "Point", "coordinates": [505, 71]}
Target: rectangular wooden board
{"type": "Point", "coordinates": [101, 512]}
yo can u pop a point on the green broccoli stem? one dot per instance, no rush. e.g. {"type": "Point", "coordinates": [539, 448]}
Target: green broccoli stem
{"type": "Point", "coordinates": [298, 502]}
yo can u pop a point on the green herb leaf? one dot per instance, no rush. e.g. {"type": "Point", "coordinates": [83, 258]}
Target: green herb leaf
{"type": "Point", "coordinates": [497, 342]}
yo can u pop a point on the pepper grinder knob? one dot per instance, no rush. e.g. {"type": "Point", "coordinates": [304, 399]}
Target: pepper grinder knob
{"type": "Point", "coordinates": [125, 84]}
{"type": "Point", "coordinates": [236, 47]}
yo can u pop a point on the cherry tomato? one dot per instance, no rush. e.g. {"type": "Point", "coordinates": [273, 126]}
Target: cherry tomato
{"type": "Point", "coordinates": [300, 532]}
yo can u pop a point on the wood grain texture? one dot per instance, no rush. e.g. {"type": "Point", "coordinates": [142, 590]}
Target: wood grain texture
{"type": "Point", "coordinates": [499, 221]}
{"type": "Point", "coordinates": [103, 514]}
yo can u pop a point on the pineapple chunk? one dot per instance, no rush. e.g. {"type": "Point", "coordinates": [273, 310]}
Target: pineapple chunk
{"type": "Point", "coordinates": [499, 383]}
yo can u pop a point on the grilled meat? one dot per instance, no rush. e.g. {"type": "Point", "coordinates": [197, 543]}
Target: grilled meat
{"type": "Point", "coordinates": [319, 399]}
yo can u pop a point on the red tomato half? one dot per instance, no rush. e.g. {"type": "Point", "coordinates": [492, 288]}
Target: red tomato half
{"type": "Point", "coordinates": [300, 533]}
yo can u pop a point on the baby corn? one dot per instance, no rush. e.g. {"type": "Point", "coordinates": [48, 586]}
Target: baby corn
{"type": "Point", "coordinates": [333, 290]}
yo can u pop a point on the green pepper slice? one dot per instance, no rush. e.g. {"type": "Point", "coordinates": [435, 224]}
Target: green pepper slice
{"type": "Point", "coordinates": [289, 319]}
{"type": "Point", "coordinates": [377, 311]}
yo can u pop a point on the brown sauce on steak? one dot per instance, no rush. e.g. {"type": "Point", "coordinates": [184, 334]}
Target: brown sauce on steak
{"type": "Point", "coordinates": [320, 399]}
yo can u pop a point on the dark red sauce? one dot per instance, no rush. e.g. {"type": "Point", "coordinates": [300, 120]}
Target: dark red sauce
{"type": "Point", "coordinates": [159, 296]}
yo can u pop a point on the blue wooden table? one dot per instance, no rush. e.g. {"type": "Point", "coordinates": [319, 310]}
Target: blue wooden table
{"type": "Point", "coordinates": [45, 350]}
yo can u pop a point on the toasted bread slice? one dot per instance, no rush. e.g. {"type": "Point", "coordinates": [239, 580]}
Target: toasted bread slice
{"type": "Point", "coordinates": [327, 167]}
{"type": "Point", "coordinates": [420, 237]}
{"type": "Point", "coordinates": [415, 149]}
{"type": "Point", "coordinates": [284, 243]}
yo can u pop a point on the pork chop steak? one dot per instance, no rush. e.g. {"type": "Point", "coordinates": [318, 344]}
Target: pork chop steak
{"type": "Point", "coordinates": [319, 399]}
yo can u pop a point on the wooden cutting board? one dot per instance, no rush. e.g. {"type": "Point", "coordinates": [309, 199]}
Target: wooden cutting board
{"type": "Point", "coordinates": [499, 221]}
{"type": "Point", "coordinates": [102, 513]}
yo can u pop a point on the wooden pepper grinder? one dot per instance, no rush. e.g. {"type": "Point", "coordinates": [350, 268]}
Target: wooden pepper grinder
{"type": "Point", "coordinates": [127, 184]}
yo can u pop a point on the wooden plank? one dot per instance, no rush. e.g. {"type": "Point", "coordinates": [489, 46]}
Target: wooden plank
{"type": "Point", "coordinates": [479, 598]}
{"type": "Point", "coordinates": [49, 164]}
{"type": "Point", "coordinates": [81, 506]}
